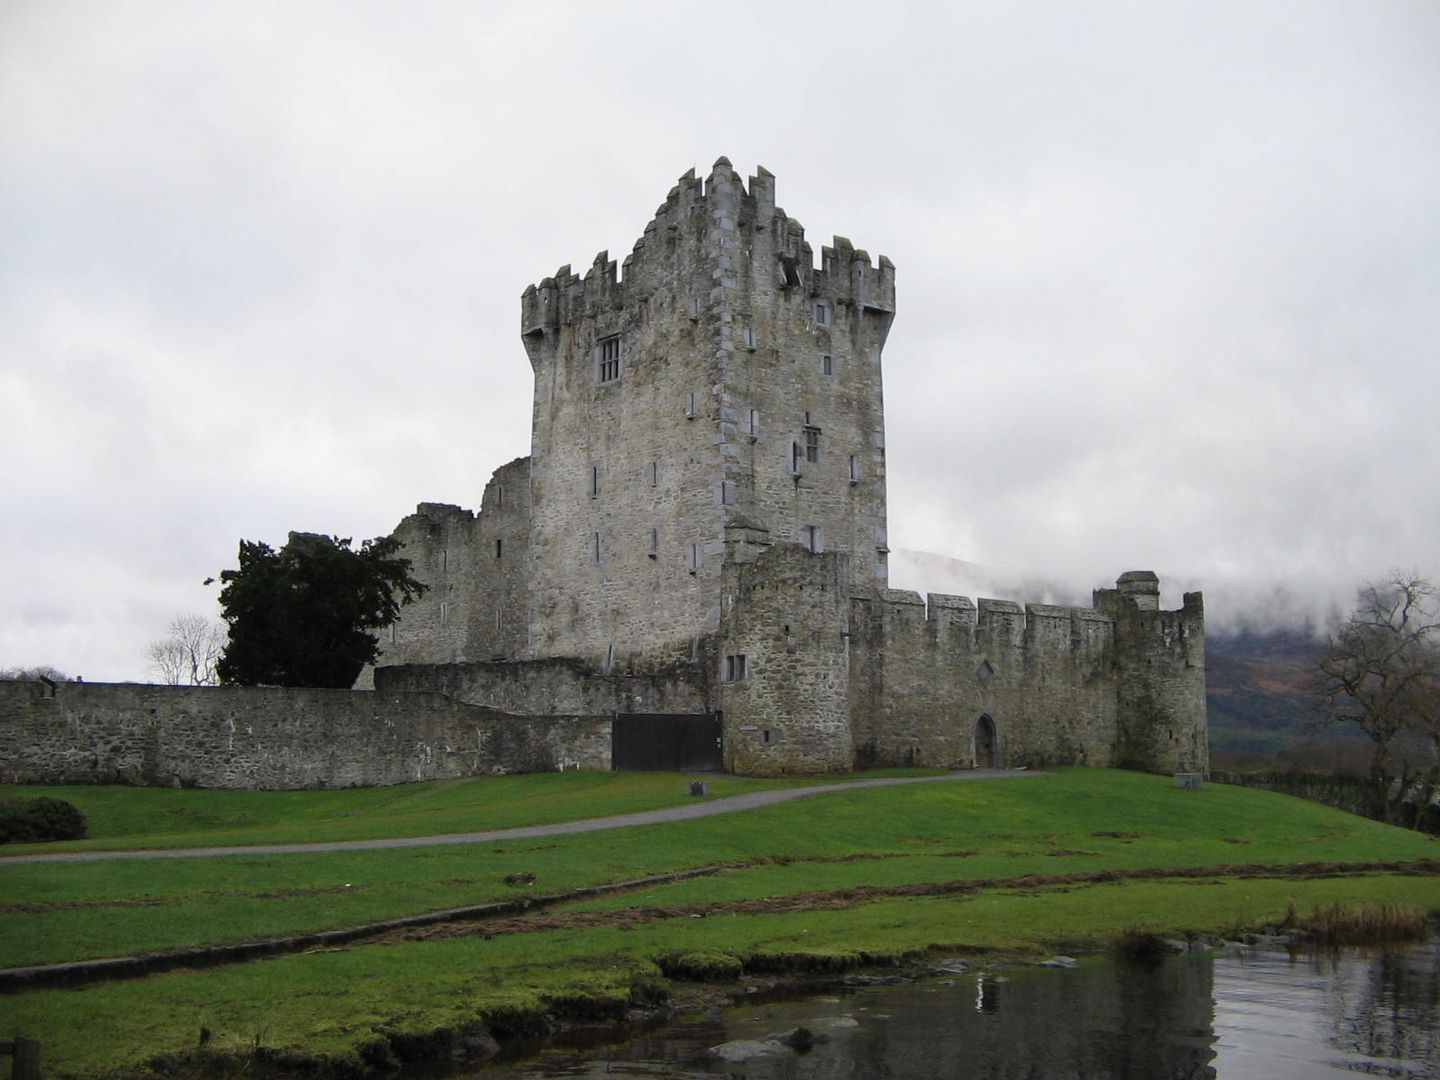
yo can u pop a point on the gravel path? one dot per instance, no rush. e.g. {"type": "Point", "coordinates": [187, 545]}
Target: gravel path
{"type": "Point", "coordinates": [681, 812]}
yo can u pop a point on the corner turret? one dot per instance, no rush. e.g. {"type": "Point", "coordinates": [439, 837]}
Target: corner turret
{"type": "Point", "coordinates": [1160, 675]}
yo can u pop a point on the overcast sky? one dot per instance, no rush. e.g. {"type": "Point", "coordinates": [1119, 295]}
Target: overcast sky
{"type": "Point", "coordinates": [1168, 274]}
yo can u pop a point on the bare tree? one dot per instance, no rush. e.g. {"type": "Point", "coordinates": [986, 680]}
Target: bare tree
{"type": "Point", "coordinates": [33, 674]}
{"type": "Point", "coordinates": [189, 653]}
{"type": "Point", "coordinates": [1381, 672]}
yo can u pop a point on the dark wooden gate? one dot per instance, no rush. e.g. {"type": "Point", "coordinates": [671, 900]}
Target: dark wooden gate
{"type": "Point", "coordinates": [673, 742]}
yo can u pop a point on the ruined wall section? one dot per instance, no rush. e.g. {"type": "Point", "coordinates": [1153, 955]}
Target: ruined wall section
{"type": "Point", "coordinates": [785, 703]}
{"type": "Point", "coordinates": [925, 671]}
{"type": "Point", "coordinates": [1160, 677]}
{"type": "Point", "coordinates": [476, 569]}
{"type": "Point", "coordinates": [274, 738]}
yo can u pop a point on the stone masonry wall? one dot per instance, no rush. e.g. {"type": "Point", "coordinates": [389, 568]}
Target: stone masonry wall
{"type": "Point", "coordinates": [557, 685]}
{"type": "Point", "coordinates": [924, 672]}
{"type": "Point", "coordinates": [272, 738]}
{"type": "Point", "coordinates": [476, 567]}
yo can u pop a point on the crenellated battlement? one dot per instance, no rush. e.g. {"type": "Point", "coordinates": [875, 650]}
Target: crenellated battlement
{"type": "Point", "coordinates": [694, 212]}
{"type": "Point", "coordinates": [958, 618]}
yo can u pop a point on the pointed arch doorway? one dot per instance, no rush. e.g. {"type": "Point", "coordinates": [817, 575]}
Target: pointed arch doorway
{"type": "Point", "coordinates": [987, 748]}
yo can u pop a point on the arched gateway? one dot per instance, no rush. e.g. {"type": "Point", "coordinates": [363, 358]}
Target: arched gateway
{"type": "Point", "coordinates": [986, 749]}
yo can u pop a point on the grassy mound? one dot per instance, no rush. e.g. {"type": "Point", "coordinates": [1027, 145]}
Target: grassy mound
{"type": "Point", "coordinates": [879, 875]}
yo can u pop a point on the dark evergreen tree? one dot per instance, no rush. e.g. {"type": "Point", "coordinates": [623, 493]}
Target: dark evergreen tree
{"type": "Point", "coordinates": [307, 615]}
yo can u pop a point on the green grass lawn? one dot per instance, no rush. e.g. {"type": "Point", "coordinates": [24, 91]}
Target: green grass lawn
{"type": "Point", "coordinates": [337, 1000]}
{"type": "Point", "coordinates": [126, 817]}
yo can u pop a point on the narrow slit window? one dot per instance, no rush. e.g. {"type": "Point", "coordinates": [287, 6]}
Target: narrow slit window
{"type": "Point", "coordinates": [754, 422]}
{"type": "Point", "coordinates": [594, 481]}
{"type": "Point", "coordinates": [595, 547]}
{"type": "Point", "coordinates": [444, 613]}
{"type": "Point", "coordinates": [498, 546]}
{"type": "Point", "coordinates": [690, 404]}
{"type": "Point", "coordinates": [827, 364]}
{"type": "Point", "coordinates": [693, 558]}
{"type": "Point", "coordinates": [750, 337]}
{"type": "Point", "coordinates": [854, 469]}
{"type": "Point", "coordinates": [812, 537]}
{"type": "Point", "coordinates": [444, 560]}
{"type": "Point", "coordinates": [654, 474]}
{"type": "Point", "coordinates": [654, 543]}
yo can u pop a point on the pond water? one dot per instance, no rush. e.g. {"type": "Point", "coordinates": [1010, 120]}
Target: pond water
{"type": "Point", "coordinates": [1235, 1014]}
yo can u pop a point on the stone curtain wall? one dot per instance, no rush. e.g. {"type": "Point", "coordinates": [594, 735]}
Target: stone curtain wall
{"type": "Point", "coordinates": [271, 738]}
{"type": "Point", "coordinates": [923, 673]}
{"type": "Point", "coordinates": [558, 685]}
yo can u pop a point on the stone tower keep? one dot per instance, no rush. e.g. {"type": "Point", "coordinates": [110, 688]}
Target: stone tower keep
{"type": "Point", "coordinates": [698, 536]}
{"type": "Point", "coordinates": [718, 379]}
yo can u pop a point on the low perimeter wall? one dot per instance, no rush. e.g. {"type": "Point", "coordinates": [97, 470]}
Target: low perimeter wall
{"type": "Point", "coordinates": [273, 738]}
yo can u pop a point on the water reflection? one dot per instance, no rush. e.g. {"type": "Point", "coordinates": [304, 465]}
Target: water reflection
{"type": "Point", "coordinates": [1328, 1015]}
{"type": "Point", "coordinates": [1235, 1015]}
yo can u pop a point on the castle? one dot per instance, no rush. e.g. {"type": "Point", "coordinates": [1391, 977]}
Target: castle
{"type": "Point", "coordinates": [696, 546]}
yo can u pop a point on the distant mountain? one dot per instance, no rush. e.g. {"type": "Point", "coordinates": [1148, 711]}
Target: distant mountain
{"type": "Point", "coordinates": [1258, 692]}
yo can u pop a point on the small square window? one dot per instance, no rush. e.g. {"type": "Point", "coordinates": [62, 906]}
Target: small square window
{"type": "Point", "coordinates": [827, 364]}
{"type": "Point", "coordinates": [812, 537]}
{"type": "Point", "coordinates": [822, 313]}
{"type": "Point", "coordinates": [727, 493]}
{"type": "Point", "coordinates": [735, 667]}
